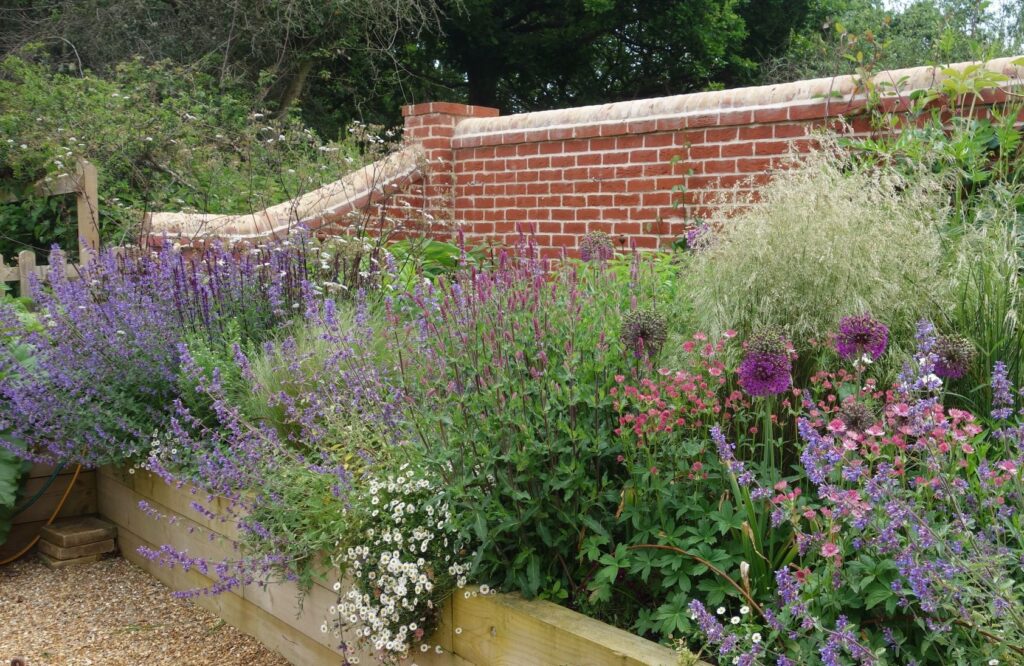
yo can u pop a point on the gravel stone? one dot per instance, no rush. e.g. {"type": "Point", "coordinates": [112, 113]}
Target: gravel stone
{"type": "Point", "coordinates": [112, 613]}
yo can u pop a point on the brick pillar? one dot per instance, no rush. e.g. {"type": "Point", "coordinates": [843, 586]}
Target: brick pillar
{"type": "Point", "coordinates": [432, 125]}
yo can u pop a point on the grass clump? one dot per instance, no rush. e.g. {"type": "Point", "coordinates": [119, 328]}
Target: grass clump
{"type": "Point", "coordinates": [821, 243]}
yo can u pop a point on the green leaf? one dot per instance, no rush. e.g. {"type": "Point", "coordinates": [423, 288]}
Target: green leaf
{"type": "Point", "coordinates": [11, 470]}
{"type": "Point", "coordinates": [480, 526]}
{"type": "Point", "coordinates": [877, 594]}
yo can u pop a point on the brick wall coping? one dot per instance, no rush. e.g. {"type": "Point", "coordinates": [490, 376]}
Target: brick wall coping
{"type": "Point", "coordinates": [799, 100]}
{"type": "Point", "coordinates": [312, 209]}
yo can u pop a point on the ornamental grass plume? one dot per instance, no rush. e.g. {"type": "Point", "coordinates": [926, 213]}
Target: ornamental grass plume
{"type": "Point", "coordinates": [644, 332]}
{"type": "Point", "coordinates": [859, 335]}
{"type": "Point", "coordinates": [596, 246]}
{"type": "Point", "coordinates": [766, 369]}
{"type": "Point", "coordinates": [821, 242]}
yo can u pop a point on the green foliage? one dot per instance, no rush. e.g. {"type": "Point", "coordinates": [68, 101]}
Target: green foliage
{"type": "Point", "coordinates": [988, 305]}
{"type": "Point", "coordinates": [162, 138]}
{"type": "Point", "coordinates": [12, 467]}
{"type": "Point", "coordinates": [519, 56]}
{"type": "Point", "coordinates": [11, 470]}
{"type": "Point", "coordinates": [305, 522]}
{"type": "Point", "coordinates": [979, 164]}
{"type": "Point", "coordinates": [836, 35]}
{"type": "Point", "coordinates": [533, 423]}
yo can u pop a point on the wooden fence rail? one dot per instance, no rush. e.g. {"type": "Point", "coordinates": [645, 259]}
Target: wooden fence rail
{"type": "Point", "coordinates": [83, 183]}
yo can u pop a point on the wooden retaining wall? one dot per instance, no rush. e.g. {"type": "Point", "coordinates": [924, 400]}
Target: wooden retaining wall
{"type": "Point", "coordinates": [81, 502]}
{"type": "Point", "coordinates": [493, 630]}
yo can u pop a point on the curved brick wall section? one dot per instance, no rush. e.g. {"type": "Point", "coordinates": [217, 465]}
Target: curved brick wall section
{"type": "Point", "coordinates": [559, 174]}
{"type": "Point", "coordinates": [562, 173]}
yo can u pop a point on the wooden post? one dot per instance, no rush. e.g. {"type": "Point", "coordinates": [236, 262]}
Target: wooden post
{"type": "Point", "coordinates": [26, 267]}
{"type": "Point", "coordinates": [88, 212]}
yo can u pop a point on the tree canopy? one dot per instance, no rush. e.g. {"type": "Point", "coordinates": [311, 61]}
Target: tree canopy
{"type": "Point", "coordinates": [340, 60]}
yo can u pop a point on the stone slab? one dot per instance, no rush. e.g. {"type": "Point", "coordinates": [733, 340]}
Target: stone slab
{"type": "Point", "coordinates": [72, 552]}
{"type": "Point", "coordinates": [78, 532]}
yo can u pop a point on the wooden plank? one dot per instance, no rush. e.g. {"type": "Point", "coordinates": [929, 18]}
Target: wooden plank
{"type": "Point", "coordinates": [179, 500]}
{"type": "Point", "coordinates": [26, 268]}
{"type": "Point", "coordinates": [498, 630]}
{"type": "Point", "coordinates": [76, 532]}
{"type": "Point", "coordinates": [120, 505]}
{"type": "Point", "coordinates": [19, 537]}
{"type": "Point", "coordinates": [81, 501]}
{"type": "Point", "coordinates": [54, 186]}
{"type": "Point", "coordinates": [42, 469]}
{"type": "Point", "coordinates": [119, 496]}
{"type": "Point", "coordinates": [88, 209]}
{"type": "Point", "coordinates": [8, 273]}
{"type": "Point", "coordinates": [507, 630]}
{"type": "Point", "coordinates": [279, 599]}
{"type": "Point", "coordinates": [269, 630]}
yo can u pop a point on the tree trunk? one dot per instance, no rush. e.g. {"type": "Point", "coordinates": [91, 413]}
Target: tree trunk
{"type": "Point", "coordinates": [294, 89]}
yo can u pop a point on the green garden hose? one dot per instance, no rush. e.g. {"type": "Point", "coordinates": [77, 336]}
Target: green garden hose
{"type": "Point", "coordinates": [39, 493]}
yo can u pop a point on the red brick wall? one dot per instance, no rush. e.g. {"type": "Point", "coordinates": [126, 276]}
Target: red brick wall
{"type": "Point", "coordinates": [559, 174]}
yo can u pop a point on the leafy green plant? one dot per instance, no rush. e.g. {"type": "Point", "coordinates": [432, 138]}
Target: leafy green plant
{"type": "Point", "coordinates": [12, 466]}
{"type": "Point", "coordinates": [162, 137]}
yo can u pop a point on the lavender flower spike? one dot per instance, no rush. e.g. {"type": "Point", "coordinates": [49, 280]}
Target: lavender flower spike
{"type": "Point", "coordinates": [1002, 392]}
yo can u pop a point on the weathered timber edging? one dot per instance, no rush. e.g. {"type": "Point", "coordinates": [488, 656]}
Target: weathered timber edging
{"type": "Point", "coordinates": [495, 630]}
{"type": "Point", "coordinates": [81, 502]}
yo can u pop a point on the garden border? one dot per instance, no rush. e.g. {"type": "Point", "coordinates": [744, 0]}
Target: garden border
{"type": "Point", "coordinates": [494, 630]}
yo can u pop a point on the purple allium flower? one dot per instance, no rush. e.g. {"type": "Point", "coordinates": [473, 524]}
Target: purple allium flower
{"type": "Point", "coordinates": [596, 246]}
{"type": "Point", "coordinates": [859, 335]}
{"type": "Point", "coordinates": [767, 368]}
{"type": "Point", "coordinates": [644, 332]}
{"type": "Point", "coordinates": [955, 354]}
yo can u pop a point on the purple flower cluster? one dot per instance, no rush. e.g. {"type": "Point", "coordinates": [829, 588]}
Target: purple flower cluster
{"type": "Point", "coordinates": [596, 246]}
{"type": "Point", "coordinates": [859, 335]}
{"type": "Point", "coordinates": [919, 375]}
{"type": "Point", "coordinates": [955, 354]}
{"type": "Point", "coordinates": [727, 454]}
{"type": "Point", "coordinates": [699, 237]}
{"type": "Point", "coordinates": [1002, 392]}
{"type": "Point", "coordinates": [767, 368]}
{"type": "Point", "coordinates": [101, 371]}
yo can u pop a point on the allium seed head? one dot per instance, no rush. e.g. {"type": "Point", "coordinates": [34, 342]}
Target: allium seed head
{"type": "Point", "coordinates": [955, 354]}
{"type": "Point", "coordinates": [856, 416]}
{"type": "Point", "coordinates": [596, 246]}
{"type": "Point", "coordinates": [644, 332]}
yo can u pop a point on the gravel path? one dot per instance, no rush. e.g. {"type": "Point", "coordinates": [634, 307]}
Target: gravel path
{"type": "Point", "coordinates": [114, 614]}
